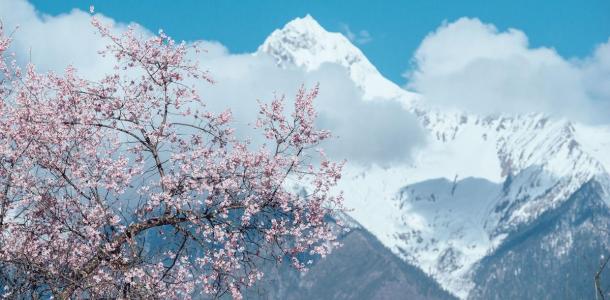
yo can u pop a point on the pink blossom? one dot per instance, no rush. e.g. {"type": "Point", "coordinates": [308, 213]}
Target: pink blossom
{"type": "Point", "coordinates": [105, 193]}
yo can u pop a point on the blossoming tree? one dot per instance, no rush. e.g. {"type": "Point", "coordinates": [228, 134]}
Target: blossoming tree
{"type": "Point", "coordinates": [128, 187]}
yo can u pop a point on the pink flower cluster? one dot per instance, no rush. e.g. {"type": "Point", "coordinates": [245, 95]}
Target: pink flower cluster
{"type": "Point", "coordinates": [128, 188]}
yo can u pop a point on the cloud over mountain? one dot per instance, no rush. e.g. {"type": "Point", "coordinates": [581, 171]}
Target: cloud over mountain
{"type": "Point", "coordinates": [365, 132]}
{"type": "Point", "coordinates": [471, 65]}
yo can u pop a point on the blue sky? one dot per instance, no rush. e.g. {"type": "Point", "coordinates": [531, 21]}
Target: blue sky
{"type": "Point", "coordinates": [396, 28]}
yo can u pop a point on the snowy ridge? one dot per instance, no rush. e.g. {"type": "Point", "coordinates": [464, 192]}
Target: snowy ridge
{"type": "Point", "coordinates": [540, 161]}
{"type": "Point", "coordinates": [554, 165]}
{"type": "Point", "coordinates": [476, 179]}
{"type": "Point", "coordinates": [548, 152]}
{"type": "Point", "coordinates": [304, 43]}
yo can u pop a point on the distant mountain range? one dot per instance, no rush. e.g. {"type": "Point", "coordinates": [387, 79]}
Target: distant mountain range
{"type": "Point", "coordinates": [492, 207]}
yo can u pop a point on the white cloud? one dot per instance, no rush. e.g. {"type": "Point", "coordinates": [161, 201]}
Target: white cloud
{"type": "Point", "coordinates": [471, 65]}
{"type": "Point", "coordinates": [596, 73]}
{"type": "Point", "coordinates": [54, 42]}
{"type": "Point", "coordinates": [366, 132]}
{"type": "Point", "coordinates": [361, 37]}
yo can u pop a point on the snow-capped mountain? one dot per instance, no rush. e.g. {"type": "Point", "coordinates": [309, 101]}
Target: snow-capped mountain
{"type": "Point", "coordinates": [304, 43]}
{"type": "Point", "coordinates": [476, 184]}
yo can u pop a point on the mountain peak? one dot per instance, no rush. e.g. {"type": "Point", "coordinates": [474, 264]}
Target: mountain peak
{"type": "Point", "coordinates": [304, 43]}
{"type": "Point", "coordinates": [305, 24]}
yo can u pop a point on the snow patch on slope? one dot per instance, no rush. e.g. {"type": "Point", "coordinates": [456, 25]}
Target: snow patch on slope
{"type": "Point", "coordinates": [595, 140]}
{"type": "Point", "coordinates": [452, 238]}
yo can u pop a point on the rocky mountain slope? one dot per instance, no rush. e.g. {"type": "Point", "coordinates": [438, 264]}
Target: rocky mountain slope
{"type": "Point", "coordinates": [361, 269]}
